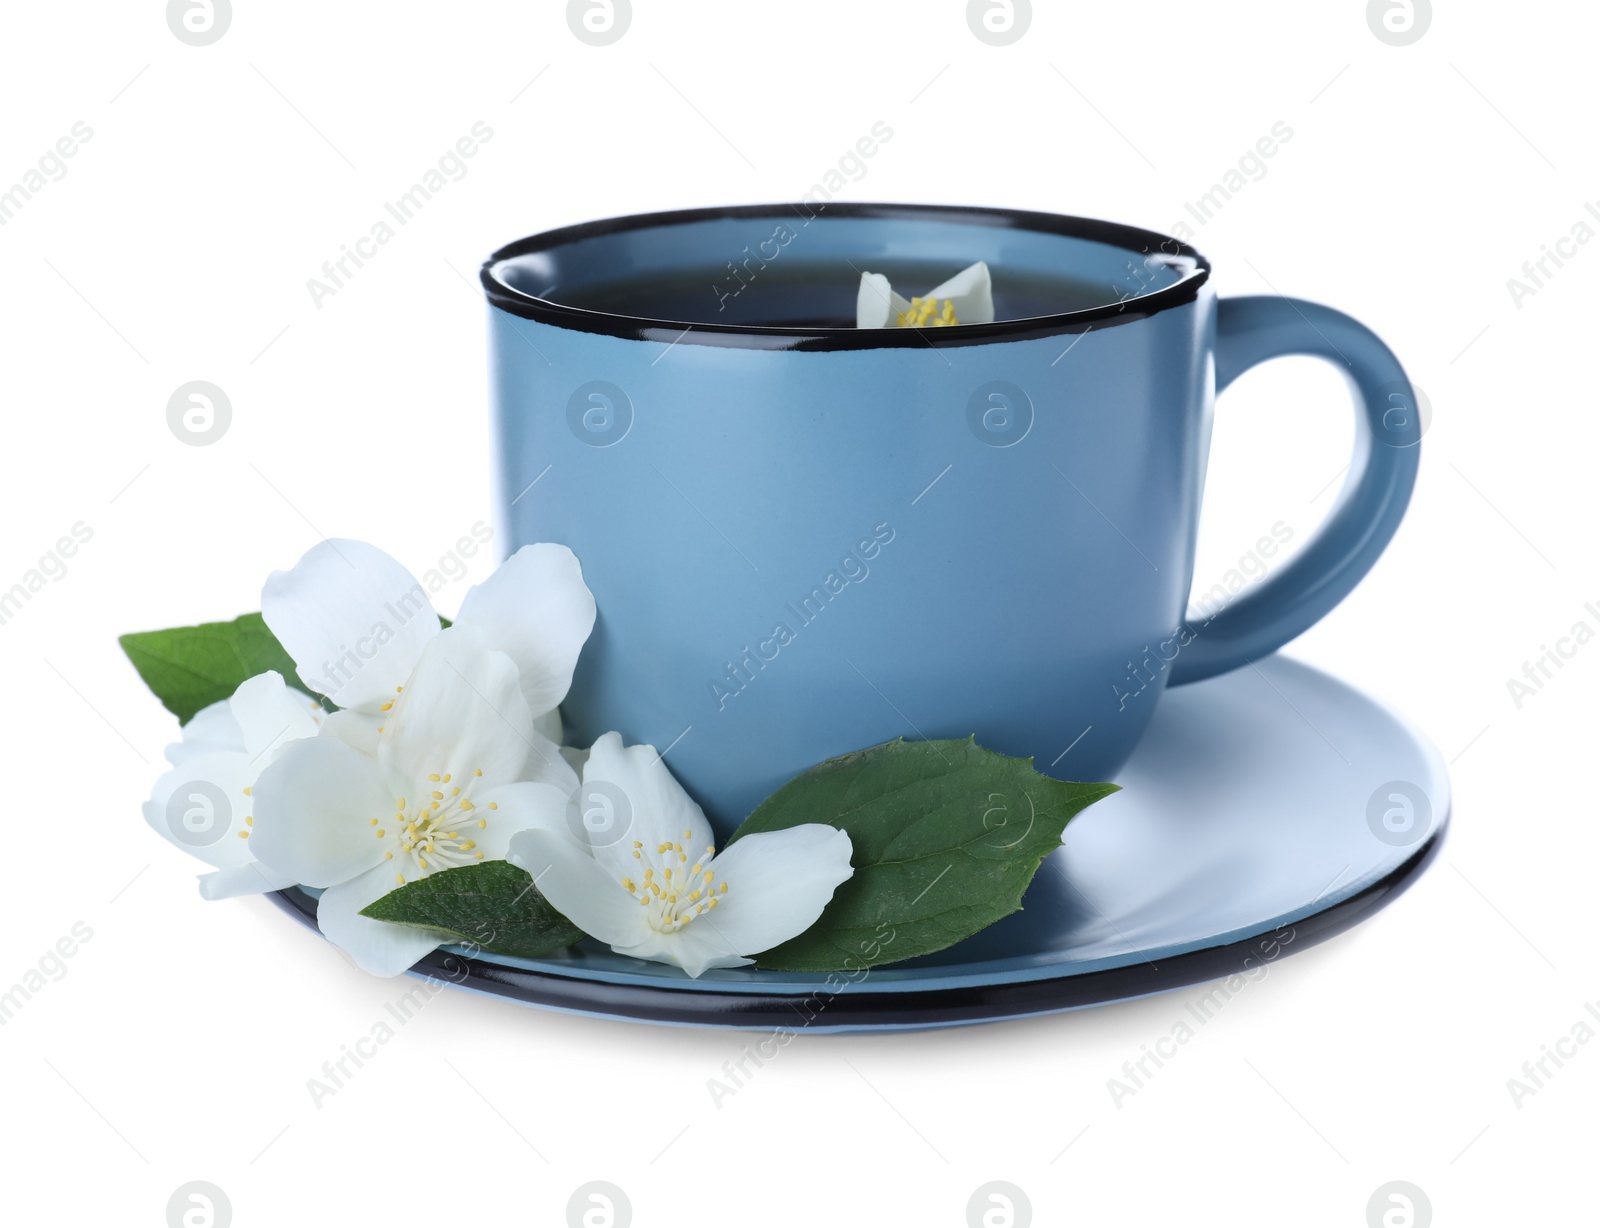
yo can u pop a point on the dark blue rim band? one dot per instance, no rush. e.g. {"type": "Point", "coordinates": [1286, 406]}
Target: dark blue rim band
{"type": "Point", "coordinates": [1193, 269]}
{"type": "Point", "coordinates": [865, 1010]}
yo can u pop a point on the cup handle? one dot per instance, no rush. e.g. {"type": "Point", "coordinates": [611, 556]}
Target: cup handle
{"type": "Point", "coordinates": [1383, 470]}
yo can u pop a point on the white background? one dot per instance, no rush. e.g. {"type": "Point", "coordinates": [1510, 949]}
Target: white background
{"type": "Point", "coordinates": [177, 247]}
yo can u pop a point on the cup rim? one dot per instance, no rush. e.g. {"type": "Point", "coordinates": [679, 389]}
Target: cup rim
{"type": "Point", "coordinates": [1194, 270]}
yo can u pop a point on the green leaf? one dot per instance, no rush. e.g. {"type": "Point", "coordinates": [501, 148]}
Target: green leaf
{"type": "Point", "coordinates": [492, 905]}
{"type": "Point", "coordinates": [191, 667]}
{"type": "Point", "coordinates": [946, 837]}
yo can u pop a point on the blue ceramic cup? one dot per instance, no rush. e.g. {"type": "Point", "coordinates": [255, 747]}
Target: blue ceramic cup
{"type": "Point", "coordinates": [807, 538]}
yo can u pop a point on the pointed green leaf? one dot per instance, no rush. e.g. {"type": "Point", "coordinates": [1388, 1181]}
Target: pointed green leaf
{"type": "Point", "coordinates": [946, 837]}
{"type": "Point", "coordinates": [189, 668]}
{"type": "Point", "coordinates": [492, 905]}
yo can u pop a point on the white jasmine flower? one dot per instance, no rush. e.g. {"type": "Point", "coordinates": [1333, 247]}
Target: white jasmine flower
{"type": "Point", "coordinates": [456, 771]}
{"type": "Point", "coordinates": [356, 622]}
{"type": "Point", "coordinates": [965, 298]}
{"type": "Point", "coordinates": [649, 882]}
{"type": "Point", "coordinates": [204, 804]}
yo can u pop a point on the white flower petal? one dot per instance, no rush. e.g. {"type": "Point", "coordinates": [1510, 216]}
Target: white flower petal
{"type": "Point", "coordinates": [379, 947]}
{"type": "Point", "coordinates": [576, 886]}
{"type": "Point", "coordinates": [270, 714]}
{"type": "Point", "coordinates": [549, 724]}
{"type": "Point", "coordinates": [971, 293]}
{"type": "Point", "coordinates": [506, 810]}
{"type": "Point", "coordinates": [209, 730]}
{"type": "Point", "coordinates": [877, 305]}
{"type": "Point", "coordinates": [536, 609]}
{"type": "Point", "coordinates": [201, 807]}
{"type": "Point", "coordinates": [252, 878]}
{"type": "Point", "coordinates": [693, 948]}
{"type": "Point", "coordinates": [576, 759]}
{"type": "Point", "coordinates": [778, 884]}
{"type": "Point", "coordinates": [354, 620]}
{"type": "Point", "coordinates": [633, 784]}
{"type": "Point", "coordinates": [461, 712]}
{"type": "Point", "coordinates": [548, 764]}
{"type": "Point", "coordinates": [359, 729]}
{"type": "Point", "coordinates": [311, 810]}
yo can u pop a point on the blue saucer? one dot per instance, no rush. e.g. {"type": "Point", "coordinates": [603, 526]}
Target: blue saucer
{"type": "Point", "coordinates": [1264, 811]}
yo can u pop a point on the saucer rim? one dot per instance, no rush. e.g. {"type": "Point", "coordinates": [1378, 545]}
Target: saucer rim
{"type": "Point", "coordinates": [680, 1002]}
